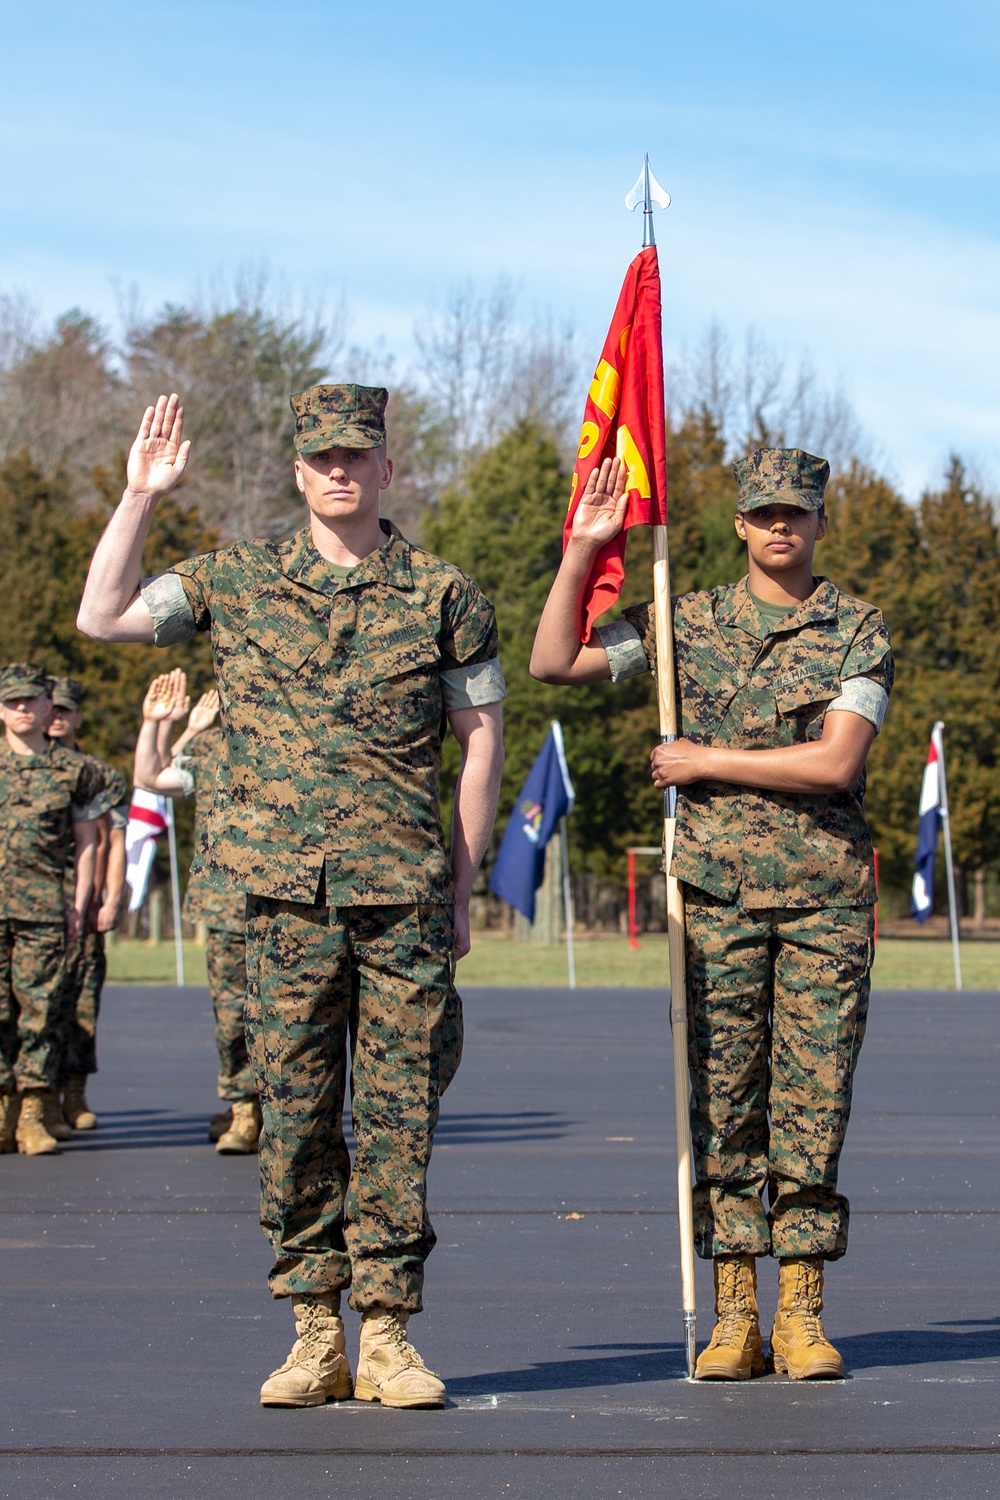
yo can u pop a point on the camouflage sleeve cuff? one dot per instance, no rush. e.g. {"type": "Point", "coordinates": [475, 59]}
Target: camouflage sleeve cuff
{"type": "Point", "coordinates": [180, 764]}
{"type": "Point", "coordinates": [623, 644]}
{"type": "Point", "coordinates": [173, 617]}
{"type": "Point", "coordinates": [859, 695]}
{"type": "Point", "coordinates": [473, 687]}
{"type": "Point", "coordinates": [89, 812]}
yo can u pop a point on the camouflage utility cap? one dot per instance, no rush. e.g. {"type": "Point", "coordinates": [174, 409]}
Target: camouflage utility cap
{"type": "Point", "coordinates": [339, 416]}
{"type": "Point", "coordinates": [67, 692]}
{"type": "Point", "coordinates": [780, 476]}
{"type": "Point", "coordinates": [22, 679]}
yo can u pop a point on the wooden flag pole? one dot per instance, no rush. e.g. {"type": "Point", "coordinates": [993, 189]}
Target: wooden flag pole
{"type": "Point", "coordinates": [648, 191]}
{"type": "Point", "coordinates": [666, 693]}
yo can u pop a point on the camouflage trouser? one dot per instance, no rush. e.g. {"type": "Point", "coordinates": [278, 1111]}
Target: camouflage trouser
{"type": "Point", "coordinates": [86, 969]}
{"type": "Point", "coordinates": [778, 1001]}
{"type": "Point", "coordinates": [32, 981]}
{"type": "Point", "coordinates": [379, 978]}
{"type": "Point", "coordinates": [226, 960]}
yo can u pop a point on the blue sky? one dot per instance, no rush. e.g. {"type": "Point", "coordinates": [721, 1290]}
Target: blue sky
{"type": "Point", "coordinates": [834, 170]}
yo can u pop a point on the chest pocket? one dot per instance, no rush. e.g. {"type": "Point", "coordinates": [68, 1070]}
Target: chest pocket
{"type": "Point", "coordinates": [259, 659]}
{"type": "Point", "coordinates": [802, 703]}
{"type": "Point", "coordinates": [709, 682]}
{"type": "Point", "coordinates": [400, 702]}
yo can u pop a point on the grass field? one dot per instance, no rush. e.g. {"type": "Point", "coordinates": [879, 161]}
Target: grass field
{"type": "Point", "coordinates": [901, 963]}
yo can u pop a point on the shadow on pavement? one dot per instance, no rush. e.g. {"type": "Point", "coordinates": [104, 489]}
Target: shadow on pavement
{"type": "Point", "coordinates": [647, 1362]}
{"type": "Point", "coordinates": [132, 1129]}
{"type": "Point", "coordinates": [921, 1346]}
{"type": "Point", "coordinates": [529, 1125]}
{"type": "Point", "coordinates": [143, 1129]}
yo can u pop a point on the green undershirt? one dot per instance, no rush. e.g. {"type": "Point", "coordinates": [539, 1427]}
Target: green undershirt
{"type": "Point", "coordinates": [772, 616]}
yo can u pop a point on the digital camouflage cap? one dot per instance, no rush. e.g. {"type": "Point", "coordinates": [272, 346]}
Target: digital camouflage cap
{"type": "Point", "coordinates": [780, 476]}
{"type": "Point", "coordinates": [67, 692]}
{"type": "Point", "coordinates": [22, 679]}
{"type": "Point", "coordinates": [339, 416]}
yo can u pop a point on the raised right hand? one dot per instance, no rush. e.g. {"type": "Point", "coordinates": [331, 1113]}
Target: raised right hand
{"type": "Point", "coordinates": [203, 714]}
{"type": "Point", "coordinates": [158, 457]}
{"type": "Point", "coordinates": [166, 697]}
{"type": "Point", "coordinates": [600, 515]}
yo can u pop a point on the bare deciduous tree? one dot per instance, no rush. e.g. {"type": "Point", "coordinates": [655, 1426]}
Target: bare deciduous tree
{"type": "Point", "coordinates": [757, 398]}
{"type": "Point", "coordinates": [485, 370]}
{"type": "Point", "coordinates": [236, 359]}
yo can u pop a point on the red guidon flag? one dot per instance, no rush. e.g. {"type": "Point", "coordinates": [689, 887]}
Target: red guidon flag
{"type": "Point", "coordinates": [624, 416]}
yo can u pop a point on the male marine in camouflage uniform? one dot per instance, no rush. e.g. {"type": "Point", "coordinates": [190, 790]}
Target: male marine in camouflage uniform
{"type": "Point", "coordinates": [340, 655]}
{"type": "Point", "coordinates": [49, 799]}
{"type": "Point", "coordinates": [190, 766]}
{"type": "Point", "coordinates": [783, 683]}
{"type": "Point", "coordinates": [86, 960]}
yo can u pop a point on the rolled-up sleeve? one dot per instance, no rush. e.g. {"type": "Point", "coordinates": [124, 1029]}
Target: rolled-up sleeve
{"type": "Point", "coordinates": [183, 765]}
{"type": "Point", "coordinates": [626, 656]}
{"type": "Point", "coordinates": [864, 696]}
{"type": "Point", "coordinates": [473, 687]}
{"type": "Point", "coordinates": [168, 603]}
{"type": "Point", "coordinates": [470, 659]}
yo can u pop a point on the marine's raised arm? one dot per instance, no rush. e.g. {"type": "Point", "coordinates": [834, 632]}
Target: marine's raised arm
{"type": "Point", "coordinates": [559, 655]}
{"type": "Point", "coordinates": [112, 608]}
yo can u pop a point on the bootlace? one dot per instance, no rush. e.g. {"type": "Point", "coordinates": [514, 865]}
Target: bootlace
{"type": "Point", "coordinates": [806, 1303]}
{"type": "Point", "coordinates": [395, 1333]}
{"type": "Point", "coordinates": [733, 1307]}
{"type": "Point", "coordinates": [313, 1319]}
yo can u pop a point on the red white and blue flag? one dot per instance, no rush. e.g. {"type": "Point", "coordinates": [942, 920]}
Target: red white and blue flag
{"type": "Point", "coordinates": [147, 818]}
{"type": "Point", "coordinates": [928, 827]}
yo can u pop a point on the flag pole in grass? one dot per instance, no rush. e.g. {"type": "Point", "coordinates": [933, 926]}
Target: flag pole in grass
{"type": "Point", "coordinates": [932, 817]}
{"type": "Point", "coordinates": [545, 801]}
{"type": "Point", "coordinates": [624, 418]}
{"type": "Point", "coordinates": [175, 893]}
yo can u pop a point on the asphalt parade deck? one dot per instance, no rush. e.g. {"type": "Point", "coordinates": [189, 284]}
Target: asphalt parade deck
{"type": "Point", "coordinates": [137, 1326]}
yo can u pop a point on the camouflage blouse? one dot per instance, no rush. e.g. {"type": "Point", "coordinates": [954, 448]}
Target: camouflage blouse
{"type": "Point", "coordinates": [743, 687]}
{"type": "Point", "coordinates": [41, 797]}
{"type": "Point", "coordinates": [198, 765]}
{"type": "Point", "coordinates": [334, 695]}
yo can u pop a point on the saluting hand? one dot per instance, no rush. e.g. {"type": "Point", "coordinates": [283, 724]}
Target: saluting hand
{"type": "Point", "coordinates": [600, 515]}
{"type": "Point", "coordinates": [166, 697]}
{"type": "Point", "coordinates": [158, 456]}
{"type": "Point", "coordinates": [203, 714]}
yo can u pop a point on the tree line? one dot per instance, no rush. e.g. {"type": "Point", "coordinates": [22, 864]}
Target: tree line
{"type": "Point", "coordinates": [482, 433]}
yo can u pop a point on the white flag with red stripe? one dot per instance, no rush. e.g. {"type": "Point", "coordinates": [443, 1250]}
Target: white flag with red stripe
{"type": "Point", "coordinates": [147, 818]}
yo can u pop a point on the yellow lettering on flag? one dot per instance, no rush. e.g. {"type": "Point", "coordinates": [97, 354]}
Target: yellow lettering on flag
{"type": "Point", "coordinates": [626, 450]}
{"type": "Point", "coordinates": [623, 341]}
{"type": "Point", "coordinates": [589, 433]}
{"type": "Point", "coordinates": [605, 388]}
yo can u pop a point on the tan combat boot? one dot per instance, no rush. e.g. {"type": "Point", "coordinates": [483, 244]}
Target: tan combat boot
{"type": "Point", "coordinates": [8, 1121]}
{"type": "Point", "coordinates": [55, 1121]}
{"type": "Point", "coordinates": [243, 1134]}
{"type": "Point", "coordinates": [75, 1107]}
{"type": "Point", "coordinates": [220, 1123]}
{"type": "Point", "coordinates": [32, 1137]}
{"type": "Point", "coordinates": [389, 1368]}
{"type": "Point", "coordinates": [317, 1369]}
{"type": "Point", "coordinates": [736, 1349]}
{"type": "Point", "coordinates": [798, 1342]}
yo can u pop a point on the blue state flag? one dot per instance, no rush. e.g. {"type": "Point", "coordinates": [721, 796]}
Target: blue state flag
{"type": "Point", "coordinates": [546, 796]}
{"type": "Point", "coordinates": [928, 825]}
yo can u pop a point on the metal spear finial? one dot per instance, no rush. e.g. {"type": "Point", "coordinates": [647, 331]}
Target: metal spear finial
{"type": "Point", "coordinates": [647, 191]}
